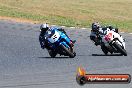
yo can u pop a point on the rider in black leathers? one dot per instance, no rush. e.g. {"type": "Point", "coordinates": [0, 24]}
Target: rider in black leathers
{"type": "Point", "coordinates": [96, 29]}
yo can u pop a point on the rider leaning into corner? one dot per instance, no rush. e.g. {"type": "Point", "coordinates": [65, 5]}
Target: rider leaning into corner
{"type": "Point", "coordinates": [43, 29]}
{"type": "Point", "coordinates": [97, 30]}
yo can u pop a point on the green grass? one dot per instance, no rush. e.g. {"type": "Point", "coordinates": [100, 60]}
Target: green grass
{"type": "Point", "coordinates": [71, 12]}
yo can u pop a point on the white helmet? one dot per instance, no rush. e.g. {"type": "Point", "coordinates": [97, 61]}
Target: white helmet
{"type": "Point", "coordinates": [44, 27]}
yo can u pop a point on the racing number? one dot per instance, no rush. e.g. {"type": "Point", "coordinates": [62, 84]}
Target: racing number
{"type": "Point", "coordinates": [54, 37]}
{"type": "Point", "coordinates": [109, 35]}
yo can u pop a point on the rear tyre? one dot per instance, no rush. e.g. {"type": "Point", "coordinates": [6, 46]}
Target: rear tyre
{"type": "Point", "coordinates": [120, 49]}
{"type": "Point", "coordinates": [68, 51]}
{"type": "Point", "coordinates": [52, 53]}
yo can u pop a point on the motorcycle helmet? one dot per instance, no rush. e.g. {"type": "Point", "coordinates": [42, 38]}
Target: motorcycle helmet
{"type": "Point", "coordinates": [95, 26]}
{"type": "Point", "coordinates": [44, 27]}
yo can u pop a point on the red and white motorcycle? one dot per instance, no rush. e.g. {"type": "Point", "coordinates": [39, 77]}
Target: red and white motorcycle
{"type": "Point", "coordinates": [112, 42]}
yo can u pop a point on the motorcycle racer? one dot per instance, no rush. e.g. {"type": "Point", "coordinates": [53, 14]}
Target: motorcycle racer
{"type": "Point", "coordinates": [97, 30]}
{"type": "Point", "coordinates": [43, 29]}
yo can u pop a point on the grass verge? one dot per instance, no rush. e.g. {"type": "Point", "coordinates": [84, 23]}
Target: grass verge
{"type": "Point", "coordinates": [79, 13]}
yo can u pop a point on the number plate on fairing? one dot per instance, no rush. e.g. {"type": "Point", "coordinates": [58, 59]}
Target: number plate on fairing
{"type": "Point", "coordinates": [54, 37]}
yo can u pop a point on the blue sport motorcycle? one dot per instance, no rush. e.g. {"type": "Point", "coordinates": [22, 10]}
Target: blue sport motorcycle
{"type": "Point", "coordinates": [59, 43]}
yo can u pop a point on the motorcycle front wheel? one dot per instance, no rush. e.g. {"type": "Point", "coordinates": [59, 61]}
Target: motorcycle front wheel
{"type": "Point", "coordinates": [104, 49]}
{"type": "Point", "coordinates": [52, 53]}
{"type": "Point", "coordinates": [120, 49]}
{"type": "Point", "coordinates": [68, 51]}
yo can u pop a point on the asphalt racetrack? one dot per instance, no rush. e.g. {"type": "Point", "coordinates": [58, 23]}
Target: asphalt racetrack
{"type": "Point", "coordinates": [23, 64]}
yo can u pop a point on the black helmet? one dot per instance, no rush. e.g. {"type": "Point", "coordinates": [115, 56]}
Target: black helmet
{"type": "Point", "coordinates": [44, 27]}
{"type": "Point", "coordinates": [95, 26]}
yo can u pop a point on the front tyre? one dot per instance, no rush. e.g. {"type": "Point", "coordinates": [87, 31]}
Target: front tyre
{"type": "Point", "coordinates": [68, 51]}
{"type": "Point", "coordinates": [52, 53]}
{"type": "Point", "coordinates": [104, 49]}
{"type": "Point", "coordinates": [120, 49]}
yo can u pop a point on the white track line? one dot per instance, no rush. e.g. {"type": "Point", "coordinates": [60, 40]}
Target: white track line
{"type": "Point", "coordinates": [122, 32]}
{"type": "Point", "coordinates": [53, 25]}
{"type": "Point", "coordinates": [83, 28]}
{"type": "Point", "coordinates": [72, 27]}
{"type": "Point", "coordinates": [63, 26]}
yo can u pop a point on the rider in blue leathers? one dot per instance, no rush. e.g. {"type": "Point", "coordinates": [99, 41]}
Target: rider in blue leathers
{"type": "Point", "coordinates": [43, 29]}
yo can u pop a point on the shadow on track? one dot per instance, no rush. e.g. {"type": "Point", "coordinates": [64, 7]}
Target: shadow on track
{"type": "Point", "coordinates": [55, 58]}
{"type": "Point", "coordinates": [83, 55]}
{"type": "Point", "coordinates": [106, 55]}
